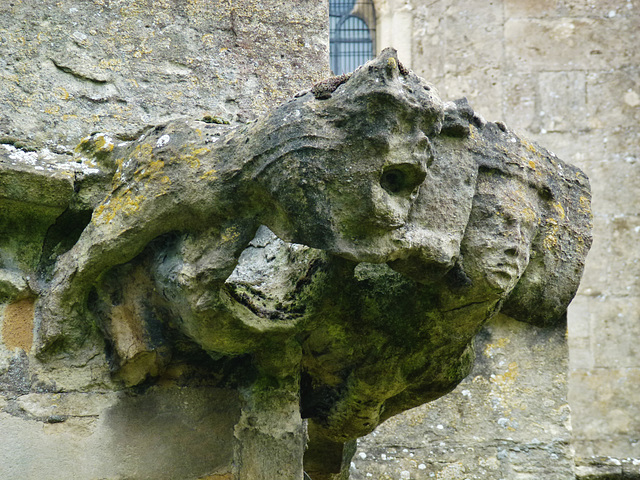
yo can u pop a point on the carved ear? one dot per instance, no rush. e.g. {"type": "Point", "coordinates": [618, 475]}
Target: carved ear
{"type": "Point", "coordinates": [558, 253]}
{"type": "Point", "coordinates": [385, 65]}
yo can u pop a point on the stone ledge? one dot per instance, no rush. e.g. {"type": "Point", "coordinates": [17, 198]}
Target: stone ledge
{"type": "Point", "coordinates": [607, 468]}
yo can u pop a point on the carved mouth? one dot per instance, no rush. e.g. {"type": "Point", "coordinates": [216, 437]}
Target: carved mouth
{"type": "Point", "coordinates": [503, 273]}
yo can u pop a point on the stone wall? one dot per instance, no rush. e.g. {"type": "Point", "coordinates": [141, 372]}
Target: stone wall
{"type": "Point", "coordinates": [509, 419]}
{"type": "Point", "coordinates": [69, 68]}
{"type": "Point", "coordinates": [563, 72]}
{"type": "Point", "coordinates": [567, 74]}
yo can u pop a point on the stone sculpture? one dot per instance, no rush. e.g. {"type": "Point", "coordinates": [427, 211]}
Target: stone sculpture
{"type": "Point", "coordinates": [410, 222]}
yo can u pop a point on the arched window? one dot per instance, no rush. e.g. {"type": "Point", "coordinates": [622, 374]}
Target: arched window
{"type": "Point", "coordinates": [352, 34]}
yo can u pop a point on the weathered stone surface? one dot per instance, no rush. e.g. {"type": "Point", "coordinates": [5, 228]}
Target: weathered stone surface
{"type": "Point", "coordinates": [250, 307]}
{"type": "Point", "coordinates": [71, 68]}
{"type": "Point", "coordinates": [120, 65]}
{"type": "Point", "coordinates": [605, 468]}
{"type": "Point", "coordinates": [474, 218]}
{"type": "Point", "coordinates": [164, 433]}
{"type": "Point", "coordinates": [34, 190]}
{"type": "Point", "coordinates": [541, 42]}
{"type": "Point", "coordinates": [609, 423]}
{"type": "Point", "coordinates": [577, 43]}
{"type": "Point", "coordinates": [509, 419]}
{"type": "Point", "coordinates": [469, 217]}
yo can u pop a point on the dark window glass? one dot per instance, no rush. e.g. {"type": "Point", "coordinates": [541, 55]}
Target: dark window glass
{"type": "Point", "coordinates": [353, 33]}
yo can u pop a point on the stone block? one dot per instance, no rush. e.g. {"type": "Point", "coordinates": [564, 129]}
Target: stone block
{"type": "Point", "coordinates": [578, 319]}
{"type": "Point", "coordinates": [579, 333]}
{"type": "Point", "coordinates": [561, 100]}
{"type": "Point", "coordinates": [613, 98]}
{"type": "Point", "coordinates": [508, 419]}
{"type": "Point", "coordinates": [615, 329]}
{"type": "Point", "coordinates": [598, 8]}
{"type": "Point", "coordinates": [580, 353]}
{"type": "Point", "coordinates": [483, 92]}
{"type": "Point", "coordinates": [621, 143]}
{"type": "Point", "coordinates": [566, 43]}
{"type": "Point", "coordinates": [605, 421]}
{"type": "Point", "coordinates": [429, 40]}
{"type": "Point", "coordinates": [473, 37]}
{"type": "Point", "coordinates": [624, 271]}
{"type": "Point", "coordinates": [529, 8]}
{"type": "Point", "coordinates": [615, 186]}
{"type": "Point", "coordinates": [595, 472]}
{"type": "Point", "coordinates": [164, 433]}
{"type": "Point", "coordinates": [595, 326]}
{"type": "Point", "coordinates": [520, 103]}
{"type": "Point", "coordinates": [595, 279]}
{"type": "Point", "coordinates": [114, 67]}
{"type": "Point", "coordinates": [579, 148]}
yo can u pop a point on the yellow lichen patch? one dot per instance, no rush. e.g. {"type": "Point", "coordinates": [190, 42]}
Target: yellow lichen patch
{"type": "Point", "coordinates": [230, 234]}
{"type": "Point", "coordinates": [104, 143]}
{"type": "Point", "coordinates": [174, 94]}
{"type": "Point", "coordinates": [127, 204]}
{"type": "Point", "coordinates": [585, 205]}
{"type": "Point", "coordinates": [559, 209]}
{"type": "Point", "coordinates": [201, 151]}
{"type": "Point", "coordinates": [52, 109]}
{"type": "Point", "coordinates": [61, 93]}
{"type": "Point", "coordinates": [529, 146]}
{"type": "Point", "coordinates": [509, 376]}
{"type": "Point", "coordinates": [529, 215]}
{"type": "Point", "coordinates": [209, 175]}
{"type": "Point", "coordinates": [143, 151]}
{"type": "Point", "coordinates": [192, 159]}
{"type": "Point", "coordinates": [208, 39]}
{"type": "Point", "coordinates": [143, 49]}
{"type": "Point", "coordinates": [149, 170]}
{"type": "Point", "coordinates": [532, 164]}
{"type": "Point", "coordinates": [392, 62]}
{"type": "Point", "coordinates": [115, 181]}
{"type": "Point", "coordinates": [492, 348]}
{"type": "Point", "coordinates": [114, 64]}
{"type": "Point", "coordinates": [551, 237]}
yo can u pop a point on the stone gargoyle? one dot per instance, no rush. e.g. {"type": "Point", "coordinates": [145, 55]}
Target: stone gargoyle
{"type": "Point", "coordinates": [400, 223]}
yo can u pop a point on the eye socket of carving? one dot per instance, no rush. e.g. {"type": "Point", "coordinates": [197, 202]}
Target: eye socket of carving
{"type": "Point", "coordinates": [402, 179]}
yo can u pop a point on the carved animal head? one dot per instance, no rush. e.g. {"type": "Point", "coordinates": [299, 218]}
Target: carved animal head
{"type": "Point", "coordinates": [346, 160]}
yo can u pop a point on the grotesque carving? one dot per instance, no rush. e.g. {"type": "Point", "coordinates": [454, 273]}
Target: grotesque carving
{"type": "Point", "coordinates": [339, 174]}
{"type": "Point", "coordinates": [410, 221]}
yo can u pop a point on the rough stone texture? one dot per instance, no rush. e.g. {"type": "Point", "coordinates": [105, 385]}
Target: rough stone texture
{"type": "Point", "coordinates": [17, 324]}
{"type": "Point", "coordinates": [71, 68]}
{"type": "Point", "coordinates": [469, 217]}
{"type": "Point", "coordinates": [567, 74]}
{"type": "Point", "coordinates": [164, 433]}
{"type": "Point", "coordinates": [509, 419]}
{"type": "Point", "coordinates": [98, 87]}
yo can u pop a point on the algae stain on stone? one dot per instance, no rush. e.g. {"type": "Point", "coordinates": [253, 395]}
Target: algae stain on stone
{"type": "Point", "coordinates": [17, 327]}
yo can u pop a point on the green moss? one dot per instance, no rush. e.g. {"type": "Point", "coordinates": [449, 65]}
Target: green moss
{"type": "Point", "coordinates": [7, 140]}
{"type": "Point", "coordinates": [214, 119]}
